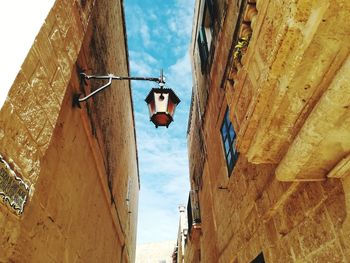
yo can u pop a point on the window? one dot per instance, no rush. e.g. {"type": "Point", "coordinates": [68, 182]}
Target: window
{"type": "Point", "coordinates": [205, 33]}
{"type": "Point", "coordinates": [212, 7]}
{"type": "Point", "coordinates": [259, 259]}
{"type": "Point", "coordinates": [229, 141]}
{"type": "Point", "coordinates": [193, 212]}
{"type": "Point", "coordinates": [203, 48]}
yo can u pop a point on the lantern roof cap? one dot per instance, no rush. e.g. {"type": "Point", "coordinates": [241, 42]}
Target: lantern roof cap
{"type": "Point", "coordinates": [169, 91]}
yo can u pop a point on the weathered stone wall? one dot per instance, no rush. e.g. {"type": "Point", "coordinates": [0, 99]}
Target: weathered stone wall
{"type": "Point", "coordinates": [291, 69]}
{"type": "Point", "coordinates": [111, 113]}
{"type": "Point", "coordinates": [81, 164]}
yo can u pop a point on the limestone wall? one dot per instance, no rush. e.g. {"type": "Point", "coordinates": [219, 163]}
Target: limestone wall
{"type": "Point", "coordinates": [80, 164]}
{"type": "Point", "coordinates": [292, 67]}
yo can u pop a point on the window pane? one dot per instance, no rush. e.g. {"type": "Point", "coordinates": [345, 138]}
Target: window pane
{"type": "Point", "coordinates": [259, 259]}
{"type": "Point", "coordinates": [203, 48]}
{"type": "Point", "coordinates": [230, 164]}
{"type": "Point", "coordinates": [232, 132]}
{"type": "Point", "coordinates": [224, 131]}
{"type": "Point", "coordinates": [229, 158]}
{"type": "Point", "coordinates": [227, 145]}
{"type": "Point", "coordinates": [211, 7]}
{"type": "Point", "coordinates": [229, 140]}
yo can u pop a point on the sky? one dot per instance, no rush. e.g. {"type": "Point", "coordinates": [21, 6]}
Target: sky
{"type": "Point", "coordinates": [159, 33]}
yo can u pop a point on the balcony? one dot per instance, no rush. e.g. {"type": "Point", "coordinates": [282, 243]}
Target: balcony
{"type": "Point", "coordinates": [193, 215]}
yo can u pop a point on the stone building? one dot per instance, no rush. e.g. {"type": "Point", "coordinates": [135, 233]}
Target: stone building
{"type": "Point", "coordinates": [269, 131]}
{"type": "Point", "coordinates": [69, 176]}
{"type": "Point", "coordinates": [158, 252]}
{"type": "Point", "coordinates": [179, 251]}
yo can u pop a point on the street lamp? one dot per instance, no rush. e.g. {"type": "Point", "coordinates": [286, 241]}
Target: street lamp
{"type": "Point", "coordinates": [161, 101]}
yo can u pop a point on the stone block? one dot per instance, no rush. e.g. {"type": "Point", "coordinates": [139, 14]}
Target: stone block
{"type": "Point", "coordinates": [294, 208]}
{"type": "Point", "coordinates": [270, 234]}
{"type": "Point", "coordinates": [293, 244]}
{"type": "Point", "coordinates": [19, 148]}
{"type": "Point", "coordinates": [44, 140]}
{"type": "Point", "coordinates": [277, 254]}
{"type": "Point", "coordinates": [283, 223]}
{"type": "Point", "coordinates": [72, 44]}
{"type": "Point", "coordinates": [240, 186]}
{"type": "Point", "coordinates": [63, 59]}
{"type": "Point", "coordinates": [44, 50]}
{"type": "Point", "coordinates": [263, 204]}
{"type": "Point", "coordinates": [251, 222]}
{"type": "Point", "coordinates": [302, 11]}
{"type": "Point", "coordinates": [27, 156]}
{"type": "Point", "coordinates": [315, 195]}
{"type": "Point", "coordinates": [63, 17]}
{"type": "Point", "coordinates": [332, 186]}
{"type": "Point", "coordinates": [275, 191]}
{"type": "Point", "coordinates": [315, 231]}
{"type": "Point", "coordinates": [263, 176]}
{"type": "Point", "coordinates": [253, 248]}
{"type": "Point", "coordinates": [344, 239]}
{"type": "Point", "coordinates": [26, 106]}
{"type": "Point", "coordinates": [337, 210]}
{"type": "Point", "coordinates": [30, 63]}
{"type": "Point", "coordinates": [330, 253]}
{"type": "Point", "coordinates": [40, 85]}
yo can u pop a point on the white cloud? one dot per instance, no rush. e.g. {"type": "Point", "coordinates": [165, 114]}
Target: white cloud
{"type": "Point", "coordinates": [146, 57]}
{"type": "Point", "coordinates": [158, 218]}
{"type": "Point", "coordinates": [163, 157]}
{"type": "Point", "coordinates": [145, 35]}
{"type": "Point", "coordinates": [181, 75]}
{"type": "Point", "coordinates": [180, 18]}
{"type": "Point", "coordinates": [19, 29]}
{"type": "Point", "coordinates": [140, 67]}
{"type": "Point", "coordinates": [139, 24]}
{"type": "Point", "coordinates": [143, 64]}
{"type": "Point", "coordinates": [177, 186]}
{"type": "Point", "coordinates": [163, 161]}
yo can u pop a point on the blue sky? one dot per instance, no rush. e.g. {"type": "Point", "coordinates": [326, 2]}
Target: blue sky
{"type": "Point", "coordinates": [159, 33]}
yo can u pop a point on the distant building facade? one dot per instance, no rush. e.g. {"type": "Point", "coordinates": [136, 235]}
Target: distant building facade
{"type": "Point", "coordinates": [68, 175]}
{"type": "Point", "coordinates": [269, 132]}
{"type": "Point", "coordinates": [179, 251]}
{"type": "Point", "coordinates": [159, 252]}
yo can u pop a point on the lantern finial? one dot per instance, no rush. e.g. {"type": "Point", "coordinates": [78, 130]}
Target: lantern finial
{"type": "Point", "coordinates": [161, 101]}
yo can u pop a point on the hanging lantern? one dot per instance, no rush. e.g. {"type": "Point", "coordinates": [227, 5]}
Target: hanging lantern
{"type": "Point", "coordinates": [162, 103]}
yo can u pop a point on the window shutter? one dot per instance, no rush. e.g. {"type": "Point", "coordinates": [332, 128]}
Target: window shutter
{"type": "Point", "coordinates": [196, 218]}
{"type": "Point", "coordinates": [212, 8]}
{"type": "Point", "coordinates": [189, 214]}
{"type": "Point", "coordinates": [203, 48]}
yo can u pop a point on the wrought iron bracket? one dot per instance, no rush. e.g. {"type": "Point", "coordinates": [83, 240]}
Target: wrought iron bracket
{"type": "Point", "coordinates": [110, 77]}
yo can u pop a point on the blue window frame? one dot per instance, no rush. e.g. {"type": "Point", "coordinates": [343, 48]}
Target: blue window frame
{"type": "Point", "coordinates": [259, 259]}
{"type": "Point", "coordinates": [228, 136]}
{"type": "Point", "coordinates": [203, 48]}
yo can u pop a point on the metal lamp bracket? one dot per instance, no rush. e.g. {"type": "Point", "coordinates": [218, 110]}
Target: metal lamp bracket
{"type": "Point", "coordinates": [110, 78]}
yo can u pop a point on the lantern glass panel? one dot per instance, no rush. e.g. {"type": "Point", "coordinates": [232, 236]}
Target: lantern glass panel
{"type": "Point", "coordinates": [171, 107]}
{"type": "Point", "coordinates": [151, 107]}
{"type": "Point", "coordinates": [161, 100]}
